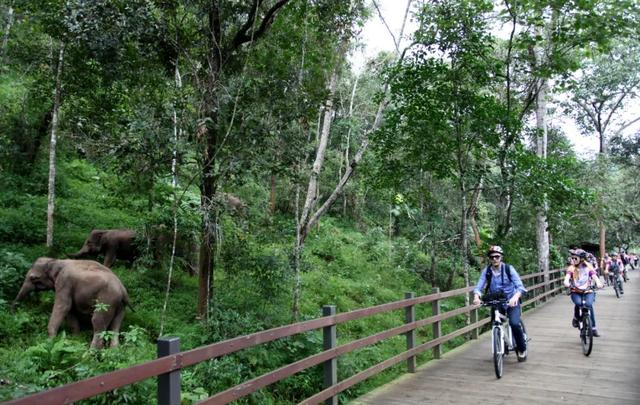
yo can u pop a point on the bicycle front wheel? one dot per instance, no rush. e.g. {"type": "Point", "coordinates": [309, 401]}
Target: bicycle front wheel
{"type": "Point", "coordinates": [498, 351]}
{"type": "Point", "coordinates": [616, 287]}
{"type": "Point", "coordinates": [586, 335]}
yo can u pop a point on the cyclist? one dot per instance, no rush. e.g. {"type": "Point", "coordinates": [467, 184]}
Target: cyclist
{"type": "Point", "coordinates": [579, 274]}
{"type": "Point", "coordinates": [615, 270]}
{"type": "Point", "coordinates": [499, 277]}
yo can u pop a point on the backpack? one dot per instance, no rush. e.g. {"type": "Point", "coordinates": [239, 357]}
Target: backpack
{"type": "Point", "coordinates": [489, 275]}
{"type": "Point", "coordinates": [614, 267]}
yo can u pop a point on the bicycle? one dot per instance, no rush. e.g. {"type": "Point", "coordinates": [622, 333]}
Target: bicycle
{"type": "Point", "coordinates": [616, 282]}
{"type": "Point", "coordinates": [584, 321]}
{"type": "Point", "coordinates": [502, 340]}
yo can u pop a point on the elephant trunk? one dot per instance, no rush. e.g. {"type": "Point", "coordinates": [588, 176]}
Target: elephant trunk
{"type": "Point", "coordinates": [27, 287]}
{"type": "Point", "coordinates": [79, 254]}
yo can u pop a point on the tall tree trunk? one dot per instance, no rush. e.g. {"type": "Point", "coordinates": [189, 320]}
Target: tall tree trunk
{"type": "Point", "coordinates": [311, 199]}
{"type": "Point", "coordinates": [542, 224]}
{"type": "Point", "coordinates": [174, 184]}
{"type": "Point", "coordinates": [52, 149]}
{"type": "Point", "coordinates": [5, 36]}
{"type": "Point", "coordinates": [209, 185]}
{"type": "Point", "coordinates": [348, 142]}
{"type": "Point", "coordinates": [473, 210]}
{"type": "Point", "coordinates": [272, 195]}
{"type": "Point", "coordinates": [308, 220]}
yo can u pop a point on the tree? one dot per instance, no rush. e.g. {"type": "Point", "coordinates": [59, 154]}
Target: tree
{"type": "Point", "coordinates": [598, 96]}
{"type": "Point", "coordinates": [222, 59]}
{"type": "Point", "coordinates": [443, 118]}
{"type": "Point", "coordinates": [600, 91]}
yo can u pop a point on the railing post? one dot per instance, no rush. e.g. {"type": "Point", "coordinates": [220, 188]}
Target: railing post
{"type": "Point", "coordinates": [473, 317]}
{"type": "Point", "coordinates": [536, 292]}
{"type": "Point", "coordinates": [410, 317]}
{"type": "Point", "coordinates": [169, 383]}
{"type": "Point", "coordinates": [331, 365]}
{"type": "Point", "coordinates": [437, 329]}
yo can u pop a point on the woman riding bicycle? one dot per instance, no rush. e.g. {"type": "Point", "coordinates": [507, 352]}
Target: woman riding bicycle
{"type": "Point", "coordinates": [503, 278]}
{"type": "Point", "coordinates": [579, 276]}
{"type": "Point", "coordinates": [614, 270]}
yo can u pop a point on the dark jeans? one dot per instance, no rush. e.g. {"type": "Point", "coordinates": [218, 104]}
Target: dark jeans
{"type": "Point", "coordinates": [577, 300]}
{"type": "Point", "coordinates": [513, 313]}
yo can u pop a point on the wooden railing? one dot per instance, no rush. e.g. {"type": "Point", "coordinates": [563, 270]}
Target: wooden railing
{"type": "Point", "coordinates": [171, 360]}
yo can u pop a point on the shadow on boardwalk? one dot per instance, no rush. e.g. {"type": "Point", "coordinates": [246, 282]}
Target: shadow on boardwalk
{"type": "Point", "coordinates": [556, 371]}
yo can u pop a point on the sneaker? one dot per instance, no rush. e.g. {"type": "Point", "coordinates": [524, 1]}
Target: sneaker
{"type": "Point", "coordinates": [521, 356]}
{"type": "Point", "coordinates": [574, 322]}
{"type": "Point", "coordinates": [595, 333]}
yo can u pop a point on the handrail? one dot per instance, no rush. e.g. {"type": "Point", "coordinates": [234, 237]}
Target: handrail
{"type": "Point", "coordinates": [109, 381]}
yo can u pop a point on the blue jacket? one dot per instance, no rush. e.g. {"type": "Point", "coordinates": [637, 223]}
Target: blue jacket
{"type": "Point", "coordinates": [500, 281]}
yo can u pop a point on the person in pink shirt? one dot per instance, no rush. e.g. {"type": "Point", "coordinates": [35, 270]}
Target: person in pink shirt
{"type": "Point", "coordinates": [579, 276]}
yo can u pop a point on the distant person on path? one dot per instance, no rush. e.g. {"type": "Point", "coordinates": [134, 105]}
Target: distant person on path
{"type": "Point", "coordinates": [614, 269]}
{"type": "Point", "coordinates": [499, 277]}
{"type": "Point", "coordinates": [579, 276]}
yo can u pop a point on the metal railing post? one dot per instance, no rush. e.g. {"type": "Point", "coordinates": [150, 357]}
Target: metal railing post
{"type": "Point", "coordinates": [437, 328]}
{"type": "Point", "coordinates": [169, 383]}
{"type": "Point", "coordinates": [410, 317]}
{"type": "Point", "coordinates": [330, 366]}
{"type": "Point", "coordinates": [473, 318]}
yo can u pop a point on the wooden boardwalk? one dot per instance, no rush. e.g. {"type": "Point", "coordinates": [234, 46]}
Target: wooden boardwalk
{"type": "Point", "coordinates": [556, 371]}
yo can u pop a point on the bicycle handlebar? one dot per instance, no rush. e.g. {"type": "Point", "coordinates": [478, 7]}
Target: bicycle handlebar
{"type": "Point", "coordinates": [492, 303]}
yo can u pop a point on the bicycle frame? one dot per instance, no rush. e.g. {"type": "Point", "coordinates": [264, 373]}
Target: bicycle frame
{"type": "Point", "coordinates": [501, 321]}
{"type": "Point", "coordinates": [501, 334]}
{"type": "Point", "coordinates": [584, 322]}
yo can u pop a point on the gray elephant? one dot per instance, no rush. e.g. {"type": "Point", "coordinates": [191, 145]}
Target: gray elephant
{"type": "Point", "coordinates": [160, 242]}
{"type": "Point", "coordinates": [83, 289]}
{"type": "Point", "coordinates": [112, 243]}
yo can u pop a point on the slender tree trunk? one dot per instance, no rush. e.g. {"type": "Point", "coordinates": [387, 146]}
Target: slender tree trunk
{"type": "Point", "coordinates": [542, 224]}
{"type": "Point", "coordinates": [174, 185]}
{"type": "Point", "coordinates": [272, 196]}
{"type": "Point", "coordinates": [464, 241]}
{"type": "Point", "coordinates": [302, 229]}
{"type": "Point", "coordinates": [348, 141]}
{"type": "Point", "coordinates": [5, 37]}
{"type": "Point", "coordinates": [308, 220]}
{"type": "Point", "coordinates": [209, 185]}
{"type": "Point", "coordinates": [473, 210]}
{"type": "Point", "coordinates": [52, 149]}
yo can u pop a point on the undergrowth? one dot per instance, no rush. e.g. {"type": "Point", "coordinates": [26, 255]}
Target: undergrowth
{"type": "Point", "coordinates": [253, 291]}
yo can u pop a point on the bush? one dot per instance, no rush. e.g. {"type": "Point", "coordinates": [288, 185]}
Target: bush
{"type": "Point", "coordinates": [13, 267]}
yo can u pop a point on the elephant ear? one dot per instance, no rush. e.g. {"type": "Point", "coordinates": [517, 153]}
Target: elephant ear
{"type": "Point", "coordinates": [52, 269]}
{"type": "Point", "coordinates": [98, 237]}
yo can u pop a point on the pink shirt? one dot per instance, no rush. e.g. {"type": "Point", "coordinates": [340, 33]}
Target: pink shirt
{"type": "Point", "coordinates": [585, 272]}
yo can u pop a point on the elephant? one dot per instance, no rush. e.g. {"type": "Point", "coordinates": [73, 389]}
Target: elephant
{"type": "Point", "coordinates": [83, 289]}
{"type": "Point", "coordinates": [160, 242]}
{"type": "Point", "coordinates": [112, 243]}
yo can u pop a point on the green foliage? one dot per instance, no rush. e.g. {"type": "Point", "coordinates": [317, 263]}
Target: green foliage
{"type": "Point", "coordinates": [13, 267]}
{"type": "Point", "coordinates": [447, 127]}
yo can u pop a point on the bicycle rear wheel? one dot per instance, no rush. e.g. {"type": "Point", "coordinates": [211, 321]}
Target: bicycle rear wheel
{"type": "Point", "coordinates": [498, 352]}
{"type": "Point", "coordinates": [586, 335]}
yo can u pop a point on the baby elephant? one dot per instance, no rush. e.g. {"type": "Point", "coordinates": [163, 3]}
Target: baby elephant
{"type": "Point", "coordinates": [112, 243]}
{"type": "Point", "coordinates": [83, 289]}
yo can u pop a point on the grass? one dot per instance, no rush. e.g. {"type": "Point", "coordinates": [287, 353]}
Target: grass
{"type": "Point", "coordinates": [253, 289]}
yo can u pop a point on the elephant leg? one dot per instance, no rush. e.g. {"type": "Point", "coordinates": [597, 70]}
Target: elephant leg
{"type": "Point", "coordinates": [74, 323]}
{"type": "Point", "coordinates": [115, 326]}
{"type": "Point", "coordinates": [100, 321]}
{"type": "Point", "coordinates": [61, 307]}
{"type": "Point", "coordinates": [109, 258]}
